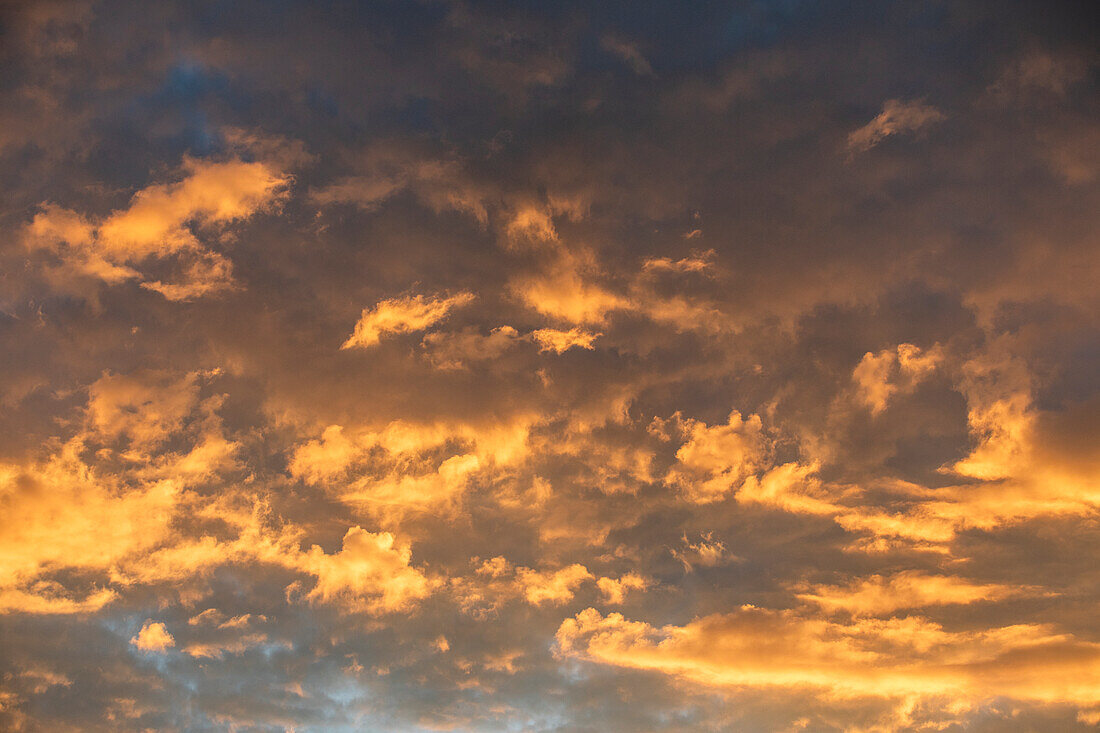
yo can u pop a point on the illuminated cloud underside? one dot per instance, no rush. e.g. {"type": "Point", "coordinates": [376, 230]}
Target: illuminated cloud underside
{"type": "Point", "coordinates": [433, 366]}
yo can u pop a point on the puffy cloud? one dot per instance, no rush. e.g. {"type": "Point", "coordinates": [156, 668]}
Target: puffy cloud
{"type": "Point", "coordinates": [550, 339]}
{"type": "Point", "coordinates": [879, 376]}
{"type": "Point", "coordinates": [906, 492]}
{"type": "Point", "coordinates": [163, 221]}
{"type": "Point", "coordinates": [790, 487]}
{"type": "Point", "coordinates": [144, 409]}
{"type": "Point", "coordinates": [209, 193]}
{"type": "Point", "coordinates": [897, 117]}
{"type": "Point", "coordinates": [370, 573]}
{"type": "Point", "coordinates": [402, 315]}
{"type": "Point", "coordinates": [533, 223]}
{"type": "Point", "coordinates": [63, 514]}
{"type": "Point", "coordinates": [555, 587]}
{"type": "Point", "coordinates": [568, 290]}
{"type": "Point", "coordinates": [153, 637]}
{"type": "Point", "coordinates": [407, 468]}
{"type": "Point", "coordinates": [706, 552]}
{"type": "Point", "coordinates": [715, 460]}
{"type": "Point", "coordinates": [614, 589]}
{"type": "Point", "coordinates": [325, 458]}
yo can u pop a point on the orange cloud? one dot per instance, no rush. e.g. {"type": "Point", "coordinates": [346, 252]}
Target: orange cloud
{"type": "Point", "coordinates": [555, 587]}
{"type": "Point", "coordinates": [161, 223]}
{"type": "Point", "coordinates": [697, 262]}
{"type": "Point", "coordinates": [893, 658]}
{"type": "Point", "coordinates": [371, 572]}
{"type": "Point", "coordinates": [614, 589]}
{"type": "Point", "coordinates": [153, 637]}
{"type": "Point", "coordinates": [877, 595]}
{"type": "Point", "coordinates": [715, 460]}
{"type": "Point", "coordinates": [879, 376]}
{"type": "Point", "coordinates": [550, 339]}
{"type": "Point", "coordinates": [707, 553]}
{"type": "Point", "coordinates": [402, 315]}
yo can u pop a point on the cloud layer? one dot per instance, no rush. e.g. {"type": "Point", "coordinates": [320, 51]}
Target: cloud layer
{"type": "Point", "coordinates": [572, 367]}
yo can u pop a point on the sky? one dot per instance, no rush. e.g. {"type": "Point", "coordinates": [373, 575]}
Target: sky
{"type": "Point", "coordinates": [518, 366]}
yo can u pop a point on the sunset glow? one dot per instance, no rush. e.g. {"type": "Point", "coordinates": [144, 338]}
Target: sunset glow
{"type": "Point", "coordinates": [627, 366]}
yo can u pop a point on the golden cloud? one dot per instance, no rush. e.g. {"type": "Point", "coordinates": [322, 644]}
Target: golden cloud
{"type": "Point", "coordinates": [402, 315]}
{"type": "Point", "coordinates": [161, 223]}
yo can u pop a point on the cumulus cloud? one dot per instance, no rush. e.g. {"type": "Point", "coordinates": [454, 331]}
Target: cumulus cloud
{"type": "Point", "coordinates": [614, 589]}
{"type": "Point", "coordinates": [163, 221]}
{"type": "Point", "coordinates": [879, 376]}
{"type": "Point", "coordinates": [705, 552]}
{"type": "Point", "coordinates": [402, 315]}
{"type": "Point", "coordinates": [371, 572]}
{"type": "Point", "coordinates": [153, 637]}
{"type": "Point", "coordinates": [715, 460]}
{"type": "Point", "coordinates": [556, 587]}
{"type": "Point", "coordinates": [407, 468]}
{"type": "Point", "coordinates": [568, 289]}
{"type": "Point", "coordinates": [820, 427]}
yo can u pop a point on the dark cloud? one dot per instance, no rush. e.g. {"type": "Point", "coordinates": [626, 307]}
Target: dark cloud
{"type": "Point", "coordinates": [701, 364]}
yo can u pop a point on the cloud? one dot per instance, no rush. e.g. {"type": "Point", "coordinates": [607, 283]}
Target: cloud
{"type": "Point", "coordinates": [716, 460]}
{"type": "Point", "coordinates": [550, 339]}
{"type": "Point", "coordinates": [143, 409]}
{"type": "Point", "coordinates": [629, 53]}
{"type": "Point", "coordinates": [153, 637]}
{"type": "Point", "coordinates": [897, 117]}
{"type": "Point", "coordinates": [895, 658]}
{"type": "Point", "coordinates": [790, 487]}
{"type": "Point", "coordinates": [877, 595]}
{"type": "Point", "coordinates": [555, 587]}
{"type": "Point", "coordinates": [439, 181]}
{"type": "Point", "coordinates": [820, 427]}
{"type": "Point", "coordinates": [61, 513]}
{"type": "Point", "coordinates": [370, 573]}
{"type": "Point", "coordinates": [450, 351]}
{"type": "Point", "coordinates": [567, 289]}
{"type": "Point", "coordinates": [218, 649]}
{"type": "Point", "coordinates": [533, 223]}
{"type": "Point", "coordinates": [163, 221]}
{"type": "Point", "coordinates": [1029, 77]}
{"type": "Point", "coordinates": [879, 376]}
{"type": "Point", "coordinates": [614, 589]}
{"type": "Point", "coordinates": [706, 552]}
{"type": "Point", "coordinates": [697, 262]}
{"type": "Point", "coordinates": [402, 315]}
{"type": "Point", "coordinates": [407, 469]}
